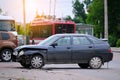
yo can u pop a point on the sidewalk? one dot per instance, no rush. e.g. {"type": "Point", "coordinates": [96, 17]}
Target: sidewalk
{"type": "Point", "coordinates": [115, 49]}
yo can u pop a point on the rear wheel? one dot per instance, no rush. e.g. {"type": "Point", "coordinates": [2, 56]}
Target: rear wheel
{"type": "Point", "coordinates": [6, 55]}
{"type": "Point", "coordinates": [83, 65]}
{"type": "Point", "coordinates": [95, 63]}
{"type": "Point", "coordinates": [37, 61]}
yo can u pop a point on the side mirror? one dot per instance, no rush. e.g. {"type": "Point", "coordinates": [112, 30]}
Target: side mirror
{"type": "Point", "coordinates": [54, 44]}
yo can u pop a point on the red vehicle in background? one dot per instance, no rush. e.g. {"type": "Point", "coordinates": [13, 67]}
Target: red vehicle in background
{"type": "Point", "coordinates": [42, 28]}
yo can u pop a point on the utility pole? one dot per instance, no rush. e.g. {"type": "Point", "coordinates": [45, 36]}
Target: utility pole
{"type": "Point", "coordinates": [105, 20]}
{"type": "Point", "coordinates": [24, 21]}
{"type": "Point", "coordinates": [54, 8]}
{"type": "Point", "coordinates": [50, 8]}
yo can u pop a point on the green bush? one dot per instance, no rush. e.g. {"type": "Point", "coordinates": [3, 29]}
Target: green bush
{"type": "Point", "coordinates": [118, 43]}
{"type": "Point", "coordinates": [112, 40]}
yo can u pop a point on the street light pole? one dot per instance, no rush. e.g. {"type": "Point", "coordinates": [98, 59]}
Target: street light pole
{"type": "Point", "coordinates": [50, 8]}
{"type": "Point", "coordinates": [105, 20]}
{"type": "Point", "coordinates": [24, 21]}
{"type": "Point", "coordinates": [54, 8]}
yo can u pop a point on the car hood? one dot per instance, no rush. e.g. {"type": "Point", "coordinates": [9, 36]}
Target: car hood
{"type": "Point", "coordinates": [31, 47]}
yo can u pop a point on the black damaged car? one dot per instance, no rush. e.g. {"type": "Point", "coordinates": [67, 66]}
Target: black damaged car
{"type": "Point", "coordinates": [85, 50]}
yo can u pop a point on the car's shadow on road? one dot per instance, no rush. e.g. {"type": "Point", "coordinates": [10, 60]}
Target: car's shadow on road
{"type": "Point", "coordinates": [12, 65]}
{"type": "Point", "coordinates": [67, 68]}
{"type": "Point", "coordinates": [49, 68]}
{"type": "Point", "coordinates": [61, 68]}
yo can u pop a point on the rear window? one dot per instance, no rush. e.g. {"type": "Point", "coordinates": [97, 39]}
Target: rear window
{"type": "Point", "coordinates": [5, 36]}
{"type": "Point", "coordinates": [81, 40]}
{"type": "Point", "coordinates": [95, 40]}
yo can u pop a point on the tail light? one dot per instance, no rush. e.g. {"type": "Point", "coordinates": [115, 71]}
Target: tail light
{"type": "Point", "coordinates": [16, 41]}
{"type": "Point", "coordinates": [109, 50]}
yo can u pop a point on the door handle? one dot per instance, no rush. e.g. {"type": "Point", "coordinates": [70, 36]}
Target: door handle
{"type": "Point", "coordinates": [90, 46]}
{"type": "Point", "coordinates": [68, 47]}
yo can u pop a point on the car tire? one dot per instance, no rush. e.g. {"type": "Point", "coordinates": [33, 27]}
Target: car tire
{"type": "Point", "coordinates": [95, 62]}
{"type": "Point", "coordinates": [25, 65]}
{"type": "Point", "coordinates": [6, 55]}
{"type": "Point", "coordinates": [83, 66]}
{"type": "Point", "coordinates": [37, 61]}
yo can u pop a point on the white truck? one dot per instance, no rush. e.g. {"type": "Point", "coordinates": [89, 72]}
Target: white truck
{"type": "Point", "coordinates": [7, 23]}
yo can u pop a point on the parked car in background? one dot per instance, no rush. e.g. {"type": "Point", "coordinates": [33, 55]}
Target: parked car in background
{"type": "Point", "coordinates": [8, 37]}
{"type": "Point", "coordinates": [8, 41]}
{"type": "Point", "coordinates": [20, 40]}
{"type": "Point", "coordinates": [85, 50]}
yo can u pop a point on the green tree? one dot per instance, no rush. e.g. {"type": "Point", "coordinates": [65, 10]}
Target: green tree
{"type": "Point", "coordinates": [78, 19]}
{"type": "Point", "coordinates": [68, 17]}
{"type": "Point", "coordinates": [78, 11]}
{"type": "Point", "coordinates": [114, 21]}
{"type": "Point", "coordinates": [27, 29]}
{"type": "Point", "coordinates": [20, 29]}
{"type": "Point", "coordinates": [0, 10]}
{"type": "Point", "coordinates": [114, 17]}
{"type": "Point", "coordinates": [87, 3]}
{"type": "Point", "coordinates": [96, 17]}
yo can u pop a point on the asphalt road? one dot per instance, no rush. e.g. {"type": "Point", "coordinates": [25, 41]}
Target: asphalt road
{"type": "Point", "coordinates": [14, 71]}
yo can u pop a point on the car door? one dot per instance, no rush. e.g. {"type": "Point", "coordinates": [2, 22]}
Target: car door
{"type": "Point", "coordinates": [62, 52]}
{"type": "Point", "coordinates": [82, 49]}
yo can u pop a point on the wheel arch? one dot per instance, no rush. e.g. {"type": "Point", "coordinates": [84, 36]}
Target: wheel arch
{"type": "Point", "coordinates": [6, 48]}
{"type": "Point", "coordinates": [97, 56]}
{"type": "Point", "coordinates": [39, 54]}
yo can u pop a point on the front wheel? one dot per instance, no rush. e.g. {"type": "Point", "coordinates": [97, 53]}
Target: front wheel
{"type": "Point", "coordinates": [6, 55]}
{"type": "Point", "coordinates": [37, 61]}
{"type": "Point", "coordinates": [95, 63]}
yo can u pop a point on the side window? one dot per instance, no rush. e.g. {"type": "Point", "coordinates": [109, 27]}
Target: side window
{"type": "Point", "coordinates": [5, 36]}
{"type": "Point", "coordinates": [81, 40]}
{"type": "Point", "coordinates": [63, 41]}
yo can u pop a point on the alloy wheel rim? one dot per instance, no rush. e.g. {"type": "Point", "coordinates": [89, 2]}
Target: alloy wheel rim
{"type": "Point", "coordinates": [36, 62]}
{"type": "Point", "coordinates": [95, 62]}
{"type": "Point", "coordinates": [6, 55]}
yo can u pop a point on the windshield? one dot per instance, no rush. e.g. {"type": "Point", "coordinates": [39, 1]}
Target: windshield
{"type": "Point", "coordinates": [48, 41]}
{"type": "Point", "coordinates": [7, 25]}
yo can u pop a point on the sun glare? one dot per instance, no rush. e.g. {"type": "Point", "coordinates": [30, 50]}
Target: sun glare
{"type": "Point", "coordinates": [30, 6]}
{"type": "Point", "coordinates": [33, 6]}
